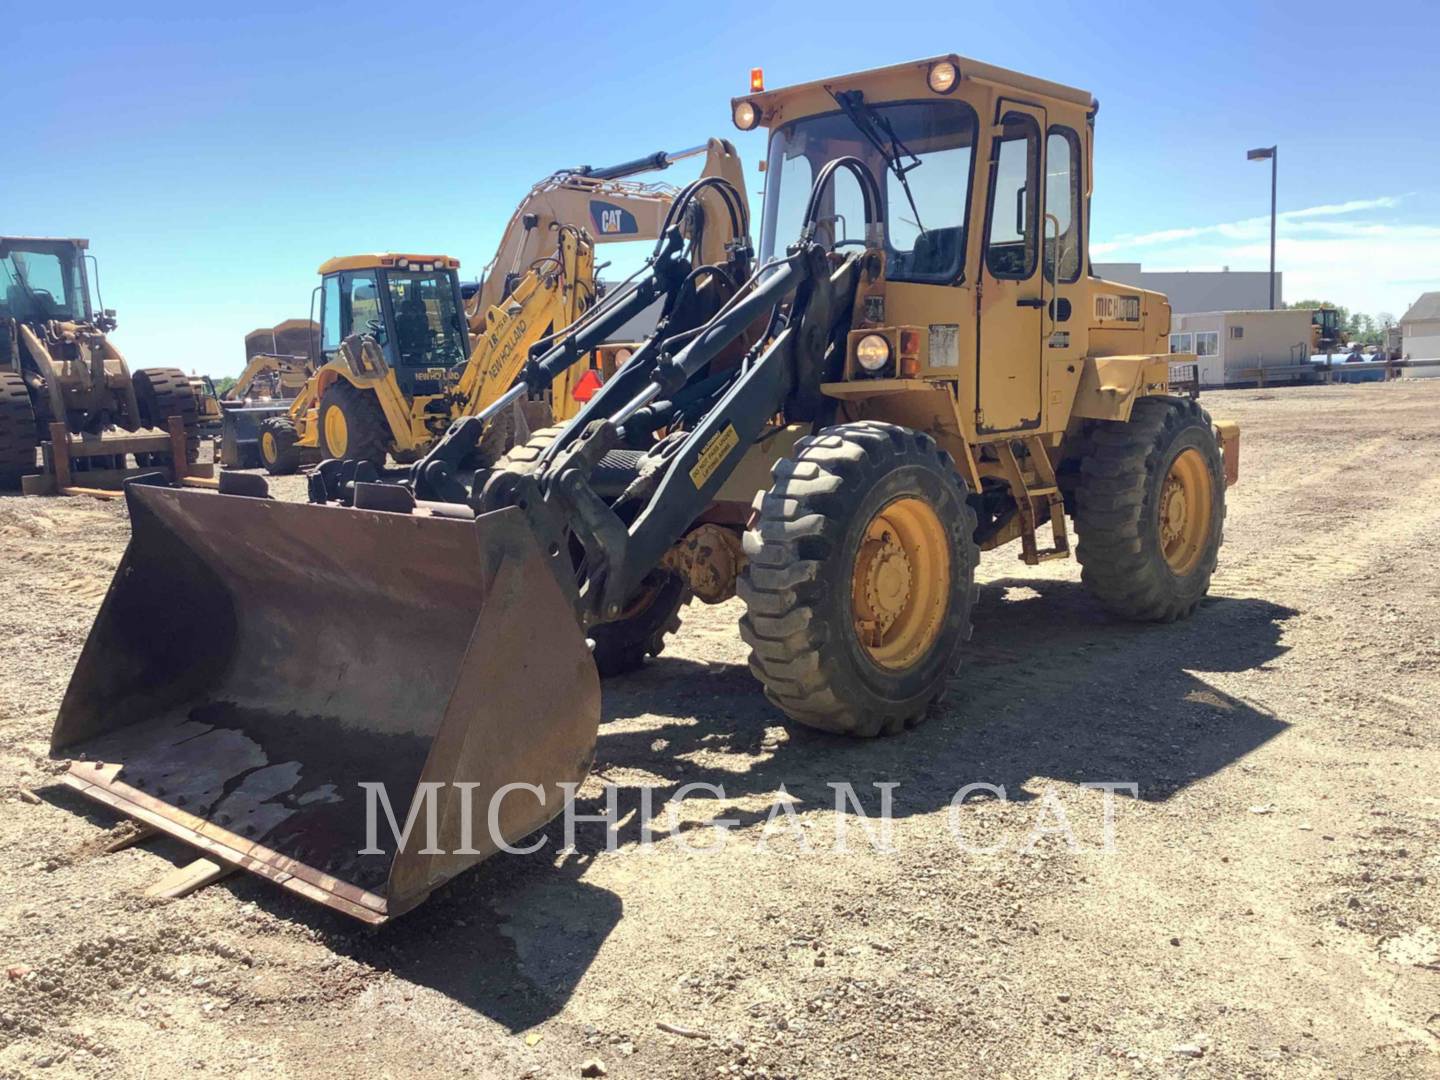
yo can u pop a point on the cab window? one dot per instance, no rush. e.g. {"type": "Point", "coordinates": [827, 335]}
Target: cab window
{"type": "Point", "coordinates": [1062, 200]}
{"type": "Point", "coordinates": [1010, 250]}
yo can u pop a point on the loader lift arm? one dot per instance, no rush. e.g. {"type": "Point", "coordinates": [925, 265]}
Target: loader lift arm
{"type": "Point", "coordinates": [805, 301]}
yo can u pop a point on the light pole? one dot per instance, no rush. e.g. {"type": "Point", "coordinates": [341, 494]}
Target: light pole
{"type": "Point", "coordinates": [1273, 153]}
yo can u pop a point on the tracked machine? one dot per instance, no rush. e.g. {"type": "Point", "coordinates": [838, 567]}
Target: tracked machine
{"type": "Point", "coordinates": [917, 367]}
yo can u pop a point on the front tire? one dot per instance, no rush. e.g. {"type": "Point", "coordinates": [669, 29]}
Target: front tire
{"type": "Point", "coordinates": [622, 646]}
{"type": "Point", "coordinates": [860, 579]}
{"type": "Point", "coordinates": [1150, 510]}
{"type": "Point", "coordinates": [352, 424]}
{"type": "Point", "coordinates": [18, 432]}
{"type": "Point", "coordinates": [278, 452]}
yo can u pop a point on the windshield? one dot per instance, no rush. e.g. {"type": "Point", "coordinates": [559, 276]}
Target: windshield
{"type": "Point", "coordinates": [925, 242]}
{"type": "Point", "coordinates": [427, 319]}
{"type": "Point", "coordinates": [41, 285]}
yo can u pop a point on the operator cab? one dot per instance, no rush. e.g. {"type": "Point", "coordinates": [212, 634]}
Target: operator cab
{"type": "Point", "coordinates": [409, 305]}
{"type": "Point", "coordinates": [43, 280]}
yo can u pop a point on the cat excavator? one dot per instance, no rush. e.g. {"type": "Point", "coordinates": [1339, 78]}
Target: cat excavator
{"type": "Point", "coordinates": [917, 366]}
{"type": "Point", "coordinates": [396, 360]}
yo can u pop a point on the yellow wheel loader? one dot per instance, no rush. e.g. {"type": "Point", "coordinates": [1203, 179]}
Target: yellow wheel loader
{"type": "Point", "coordinates": [918, 367]}
{"type": "Point", "coordinates": [60, 372]}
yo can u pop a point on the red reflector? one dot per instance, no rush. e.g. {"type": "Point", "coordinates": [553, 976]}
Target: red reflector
{"type": "Point", "coordinates": [586, 387]}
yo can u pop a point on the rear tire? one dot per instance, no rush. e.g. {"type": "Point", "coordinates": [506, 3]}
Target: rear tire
{"type": "Point", "coordinates": [860, 579]}
{"type": "Point", "coordinates": [18, 433]}
{"type": "Point", "coordinates": [162, 393]}
{"type": "Point", "coordinates": [277, 449]}
{"type": "Point", "coordinates": [352, 424]}
{"type": "Point", "coordinates": [1150, 510]}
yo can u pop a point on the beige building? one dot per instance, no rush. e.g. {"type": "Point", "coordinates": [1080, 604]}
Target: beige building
{"type": "Point", "coordinates": [1231, 345]}
{"type": "Point", "coordinates": [1420, 328]}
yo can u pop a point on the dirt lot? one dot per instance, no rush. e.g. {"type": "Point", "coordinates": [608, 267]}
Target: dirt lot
{"type": "Point", "coordinates": [1271, 905]}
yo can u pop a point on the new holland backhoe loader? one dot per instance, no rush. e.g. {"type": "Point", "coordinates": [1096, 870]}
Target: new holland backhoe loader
{"type": "Point", "coordinates": [392, 371]}
{"type": "Point", "coordinates": [61, 377]}
{"type": "Point", "coordinates": [918, 367]}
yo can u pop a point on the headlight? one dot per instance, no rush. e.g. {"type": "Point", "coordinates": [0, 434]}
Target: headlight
{"type": "Point", "coordinates": [872, 352]}
{"type": "Point", "coordinates": [746, 115]}
{"type": "Point", "coordinates": [943, 76]}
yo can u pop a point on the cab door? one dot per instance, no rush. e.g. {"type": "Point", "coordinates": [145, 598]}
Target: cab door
{"type": "Point", "coordinates": [1011, 312]}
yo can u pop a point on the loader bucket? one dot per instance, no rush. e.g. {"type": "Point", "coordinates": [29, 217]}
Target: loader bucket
{"type": "Point", "coordinates": [255, 662]}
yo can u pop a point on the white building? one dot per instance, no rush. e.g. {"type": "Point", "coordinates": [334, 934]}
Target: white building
{"type": "Point", "coordinates": [1420, 328]}
{"type": "Point", "coordinates": [1199, 290]}
{"type": "Point", "coordinates": [1243, 346]}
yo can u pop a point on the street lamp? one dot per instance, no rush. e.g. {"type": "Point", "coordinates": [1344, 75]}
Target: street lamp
{"type": "Point", "coordinates": [1273, 153]}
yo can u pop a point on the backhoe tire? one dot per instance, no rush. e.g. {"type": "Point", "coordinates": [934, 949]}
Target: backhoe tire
{"type": "Point", "coordinates": [352, 424]}
{"type": "Point", "coordinates": [622, 646]}
{"type": "Point", "coordinates": [278, 452]}
{"type": "Point", "coordinates": [1150, 510]}
{"type": "Point", "coordinates": [860, 579]}
{"type": "Point", "coordinates": [503, 434]}
{"type": "Point", "coordinates": [19, 436]}
{"type": "Point", "coordinates": [162, 393]}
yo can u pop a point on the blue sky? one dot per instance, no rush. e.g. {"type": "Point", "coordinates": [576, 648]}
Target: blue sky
{"type": "Point", "coordinates": [216, 156]}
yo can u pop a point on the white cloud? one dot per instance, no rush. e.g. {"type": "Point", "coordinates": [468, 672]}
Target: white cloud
{"type": "Point", "coordinates": [1362, 262]}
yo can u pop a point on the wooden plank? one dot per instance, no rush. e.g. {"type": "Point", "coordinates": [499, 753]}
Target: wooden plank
{"type": "Point", "coordinates": [94, 493]}
{"type": "Point", "coordinates": [210, 482]}
{"type": "Point", "coordinates": [184, 880]}
{"type": "Point", "coordinates": [137, 832]}
{"type": "Point", "coordinates": [60, 454]}
{"type": "Point", "coordinates": [179, 454]}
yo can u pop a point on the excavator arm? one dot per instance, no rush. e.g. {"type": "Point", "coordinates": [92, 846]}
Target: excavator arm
{"type": "Point", "coordinates": [611, 207]}
{"type": "Point", "coordinates": [549, 298]}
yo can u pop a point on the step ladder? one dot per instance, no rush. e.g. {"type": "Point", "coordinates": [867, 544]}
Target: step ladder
{"type": "Point", "coordinates": [1037, 493]}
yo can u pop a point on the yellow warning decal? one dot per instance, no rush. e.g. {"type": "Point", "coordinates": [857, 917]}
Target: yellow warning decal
{"type": "Point", "coordinates": [714, 453]}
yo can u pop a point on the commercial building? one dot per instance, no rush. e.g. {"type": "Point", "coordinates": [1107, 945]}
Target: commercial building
{"type": "Point", "coordinates": [1245, 346]}
{"type": "Point", "coordinates": [1200, 290]}
{"type": "Point", "coordinates": [1420, 328]}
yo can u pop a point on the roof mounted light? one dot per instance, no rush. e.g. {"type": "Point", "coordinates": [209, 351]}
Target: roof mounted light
{"type": "Point", "coordinates": [746, 115]}
{"type": "Point", "coordinates": [943, 76]}
{"type": "Point", "coordinates": [757, 80]}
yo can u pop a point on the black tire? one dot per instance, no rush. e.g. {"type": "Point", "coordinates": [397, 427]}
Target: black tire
{"type": "Point", "coordinates": [367, 432]}
{"type": "Point", "coordinates": [278, 453]}
{"type": "Point", "coordinates": [500, 433]}
{"type": "Point", "coordinates": [622, 646]}
{"type": "Point", "coordinates": [19, 437]}
{"type": "Point", "coordinates": [162, 393]}
{"type": "Point", "coordinates": [803, 552]}
{"type": "Point", "coordinates": [1118, 514]}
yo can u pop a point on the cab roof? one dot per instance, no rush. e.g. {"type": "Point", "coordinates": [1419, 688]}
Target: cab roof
{"type": "Point", "coordinates": [387, 259]}
{"type": "Point", "coordinates": [970, 71]}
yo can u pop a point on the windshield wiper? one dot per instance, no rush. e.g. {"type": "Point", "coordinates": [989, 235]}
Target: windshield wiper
{"type": "Point", "coordinates": [877, 130]}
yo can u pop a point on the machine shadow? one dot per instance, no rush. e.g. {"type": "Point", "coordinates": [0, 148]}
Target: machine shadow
{"type": "Point", "coordinates": [1050, 687]}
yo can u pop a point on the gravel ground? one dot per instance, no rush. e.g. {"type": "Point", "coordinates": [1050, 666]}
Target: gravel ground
{"type": "Point", "coordinates": [1269, 909]}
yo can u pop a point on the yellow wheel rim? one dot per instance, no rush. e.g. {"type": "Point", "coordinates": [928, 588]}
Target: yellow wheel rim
{"type": "Point", "coordinates": [1186, 501]}
{"type": "Point", "coordinates": [900, 583]}
{"type": "Point", "coordinates": [337, 434]}
{"type": "Point", "coordinates": [268, 449]}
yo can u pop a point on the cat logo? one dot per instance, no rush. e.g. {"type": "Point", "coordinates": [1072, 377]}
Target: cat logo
{"type": "Point", "coordinates": [612, 220]}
